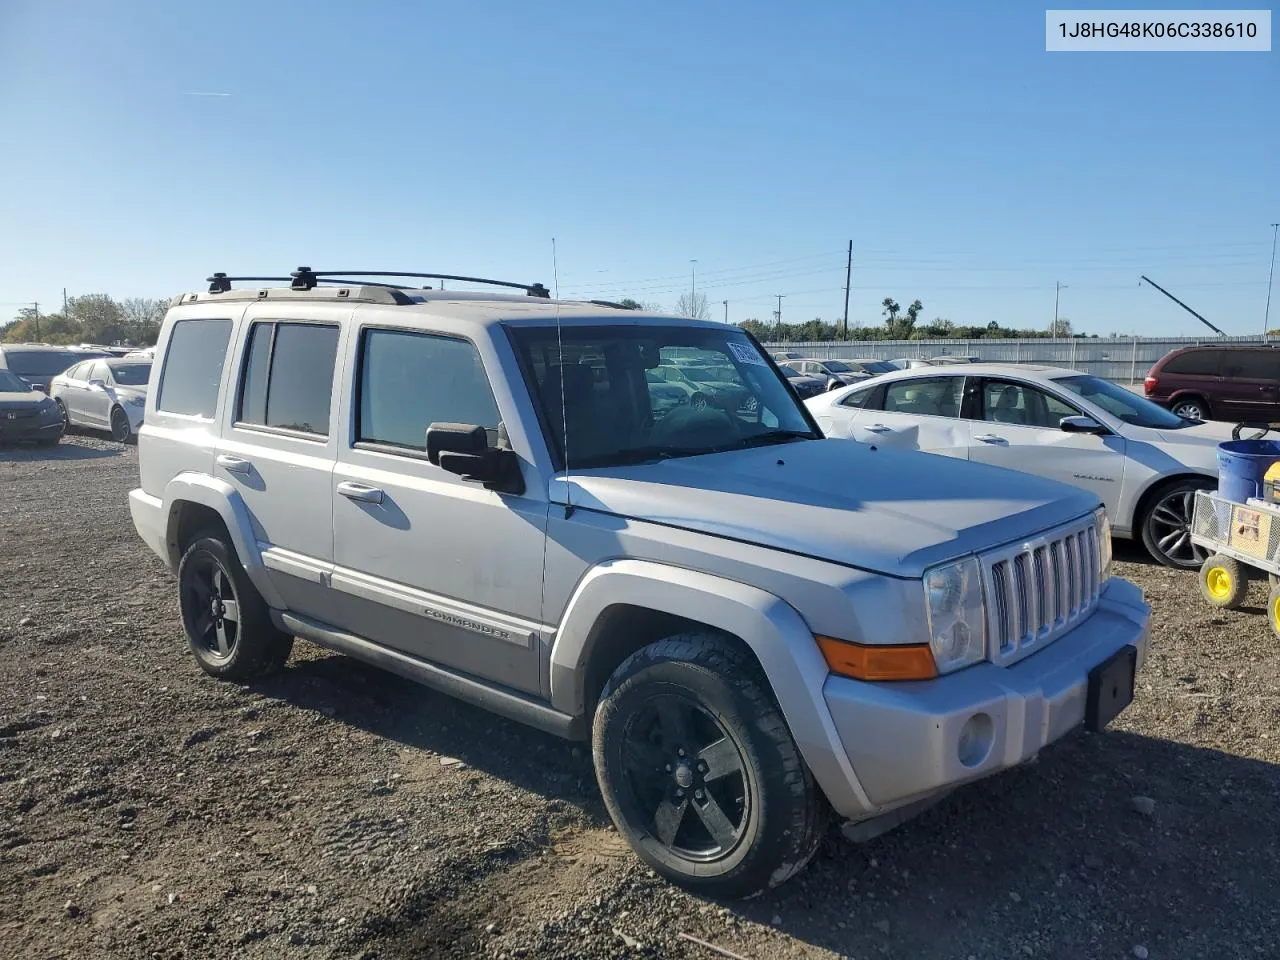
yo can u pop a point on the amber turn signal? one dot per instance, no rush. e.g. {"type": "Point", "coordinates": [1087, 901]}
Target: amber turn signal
{"type": "Point", "coordinates": [870, 662]}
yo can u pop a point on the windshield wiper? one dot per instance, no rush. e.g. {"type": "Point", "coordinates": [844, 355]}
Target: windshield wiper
{"type": "Point", "coordinates": [776, 436]}
{"type": "Point", "coordinates": [634, 455]}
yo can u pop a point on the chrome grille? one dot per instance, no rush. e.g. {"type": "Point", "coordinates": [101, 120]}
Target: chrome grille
{"type": "Point", "coordinates": [1040, 588]}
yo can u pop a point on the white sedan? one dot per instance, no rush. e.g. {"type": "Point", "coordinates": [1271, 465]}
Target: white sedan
{"type": "Point", "coordinates": [108, 393]}
{"type": "Point", "coordinates": [1142, 461]}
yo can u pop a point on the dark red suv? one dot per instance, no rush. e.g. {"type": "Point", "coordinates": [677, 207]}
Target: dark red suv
{"type": "Point", "coordinates": [1218, 383]}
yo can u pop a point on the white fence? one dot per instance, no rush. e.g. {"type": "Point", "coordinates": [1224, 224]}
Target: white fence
{"type": "Point", "coordinates": [1125, 360]}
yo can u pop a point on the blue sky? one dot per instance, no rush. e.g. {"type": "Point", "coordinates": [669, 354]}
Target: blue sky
{"type": "Point", "coordinates": [970, 168]}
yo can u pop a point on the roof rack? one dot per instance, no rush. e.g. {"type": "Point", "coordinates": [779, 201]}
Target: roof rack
{"type": "Point", "coordinates": [304, 278]}
{"type": "Point", "coordinates": [610, 303]}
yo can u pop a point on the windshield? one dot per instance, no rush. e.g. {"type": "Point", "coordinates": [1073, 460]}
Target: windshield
{"type": "Point", "coordinates": [41, 363]}
{"type": "Point", "coordinates": [835, 366]}
{"type": "Point", "coordinates": [1123, 404]}
{"type": "Point", "coordinates": [596, 391]}
{"type": "Point", "coordinates": [131, 374]}
{"type": "Point", "coordinates": [878, 366]}
{"type": "Point", "coordinates": [11, 384]}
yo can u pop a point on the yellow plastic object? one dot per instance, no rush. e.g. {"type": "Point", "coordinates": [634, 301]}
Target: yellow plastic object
{"type": "Point", "coordinates": [1271, 483]}
{"type": "Point", "coordinates": [1219, 583]}
{"type": "Point", "coordinates": [1273, 610]}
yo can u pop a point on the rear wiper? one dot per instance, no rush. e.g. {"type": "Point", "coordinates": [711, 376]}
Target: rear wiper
{"type": "Point", "coordinates": [776, 436]}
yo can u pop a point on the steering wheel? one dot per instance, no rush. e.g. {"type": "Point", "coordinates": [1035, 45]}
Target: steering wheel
{"type": "Point", "coordinates": [1262, 429]}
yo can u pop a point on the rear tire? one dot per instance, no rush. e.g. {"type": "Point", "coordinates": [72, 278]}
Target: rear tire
{"type": "Point", "coordinates": [1223, 582]}
{"type": "Point", "coordinates": [121, 429]}
{"type": "Point", "coordinates": [227, 622]}
{"type": "Point", "coordinates": [699, 770]}
{"type": "Point", "coordinates": [1190, 408]}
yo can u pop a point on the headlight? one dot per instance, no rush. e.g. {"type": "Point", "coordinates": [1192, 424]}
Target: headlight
{"type": "Point", "coordinates": [50, 408]}
{"type": "Point", "coordinates": [957, 614]}
{"type": "Point", "coordinates": [1103, 528]}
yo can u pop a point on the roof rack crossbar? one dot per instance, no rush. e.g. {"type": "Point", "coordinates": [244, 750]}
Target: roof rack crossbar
{"type": "Point", "coordinates": [304, 278]}
{"type": "Point", "coordinates": [221, 283]}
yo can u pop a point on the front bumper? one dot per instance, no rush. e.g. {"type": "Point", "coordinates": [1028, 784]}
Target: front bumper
{"type": "Point", "coordinates": [904, 740]}
{"type": "Point", "coordinates": [30, 428]}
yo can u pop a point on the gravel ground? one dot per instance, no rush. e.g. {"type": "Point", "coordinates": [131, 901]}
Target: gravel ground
{"type": "Point", "coordinates": [148, 811]}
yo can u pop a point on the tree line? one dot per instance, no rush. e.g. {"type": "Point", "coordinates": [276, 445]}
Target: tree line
{"type": "Point", "coordinates": [92, 318]}
{"type": "Point", "coordinates": [899, 324]}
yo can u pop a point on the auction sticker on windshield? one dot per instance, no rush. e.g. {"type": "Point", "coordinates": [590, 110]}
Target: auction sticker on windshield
{"type": "Point", "coordinates": [745, 354]}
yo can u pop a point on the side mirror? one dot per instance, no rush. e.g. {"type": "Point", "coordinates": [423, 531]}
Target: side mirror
{"type": "Point", "coordinates": [463, 449]}
{"type": "Point", "coordinates": [100, 384]}
{"type": "Point", "coordinates": [1081, 425]}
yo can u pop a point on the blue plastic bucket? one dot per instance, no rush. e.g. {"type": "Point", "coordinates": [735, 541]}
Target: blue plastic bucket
{"type": "Point", "coordinates": [1241, 465]}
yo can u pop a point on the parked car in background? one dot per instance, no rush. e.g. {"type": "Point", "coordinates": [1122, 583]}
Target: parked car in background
{"type": "Point", "coordinates": [804, 385]}
{"type": "Point", "coordinates": [1144, 462]}
{"type": "Point", "coordinates": [145, 353]}
{"type": "Point", "coordinates": [26, 414]}
{"type": "Point", "coordinates": [104, 394]}
{"type": "Point", "coordinates": [706, 385]}
{"type": "Point", "coordinates": [910, 363]}
{"type": "Point", "coordinates": [664, 397]}
{"type": "Point", "coordinates": [38, 363]}
{"type": "Point", "coordinates": [1231, 383]}
{"type": "Point", "coordinates": [788, 355]}
{"type": "Point", "coordinates": [872, 368]}
{"type": "Point", "coordinates": [835, 373]}
{"type": "Point", "coordinates": [944, 360]}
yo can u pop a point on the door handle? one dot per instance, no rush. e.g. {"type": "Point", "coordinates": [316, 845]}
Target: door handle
{"type": "Point", "coordinates": [991, 438]}
{"type": "Point", "coordinates": [360, 491]}
{"type": "Point", "coordinates": [233, 464]}
{"type": "Point", "coordinates": [877, 428]}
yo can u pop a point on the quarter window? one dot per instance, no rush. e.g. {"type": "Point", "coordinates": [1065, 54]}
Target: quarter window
{"type": "Point", "coordinates": [288, 376]}
{"type": "Point", "coordinates": [1198, 363]}
{"type": "Point", "coordinates": [192, 369]}
{"type": "Point", "coordinates": [926, 396]}
{"type": "Point", "coordinates": [409, 381]}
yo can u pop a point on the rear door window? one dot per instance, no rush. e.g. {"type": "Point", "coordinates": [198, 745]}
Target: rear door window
{"type": "Point", "coordinates": [925, 396]}
{"type": "Point", "coordinates": [192, 368]}
{"type": "Point", "coordinates": [288, 377]}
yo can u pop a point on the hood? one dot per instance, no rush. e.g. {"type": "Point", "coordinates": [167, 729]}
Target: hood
{"type": "Point", "coordinates": [20, 401]}
{"type": "Point", "coordinates": [891, 511]}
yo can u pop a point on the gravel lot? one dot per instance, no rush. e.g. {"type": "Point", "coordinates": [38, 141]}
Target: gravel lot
{"type": "Point", "coordinates": [148, 811]}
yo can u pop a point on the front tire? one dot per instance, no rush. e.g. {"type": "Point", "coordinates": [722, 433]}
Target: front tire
{"type": "Point", "coordinates": [226, 620]}
{"type": "Point", "coordinates": [1166, 527]}
{"type": "Point", "coordinates": [62, 409]}
{"type": "Point", "coordinates": [699, 770]}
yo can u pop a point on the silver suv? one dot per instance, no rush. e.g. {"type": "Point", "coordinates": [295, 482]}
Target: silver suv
{"type": "Point", "coordinates": [752, 625]}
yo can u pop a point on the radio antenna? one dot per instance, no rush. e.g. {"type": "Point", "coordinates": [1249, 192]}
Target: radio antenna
{"type": "Point", "coordinates": [564, 412]}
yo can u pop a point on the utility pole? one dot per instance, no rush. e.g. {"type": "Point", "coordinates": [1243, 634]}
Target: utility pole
{"type": "Point", "coordinates": [36, 305]}
{"type": "Point", "coordinates": [726, 311]}
{"type": "Point", "coordinates": [1266, 317]}
{"type": "Point", "coordinates": [64, 302]}
{"type": "Point", "coordinates": [848, 276]}
{"type": "Point", "coordinates": [1057, 288]}
{"type": "Point", "coordinates": [777, 314]}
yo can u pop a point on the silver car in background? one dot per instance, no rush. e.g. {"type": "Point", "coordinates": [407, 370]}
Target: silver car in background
{"type": "Point", "coordinates": [104, 394]}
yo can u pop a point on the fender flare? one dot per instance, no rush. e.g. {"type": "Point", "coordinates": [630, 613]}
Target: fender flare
{"type": "Point", "coordinates": [769, 626]}
{"type": "Point", "coordinates": [225, 500]}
